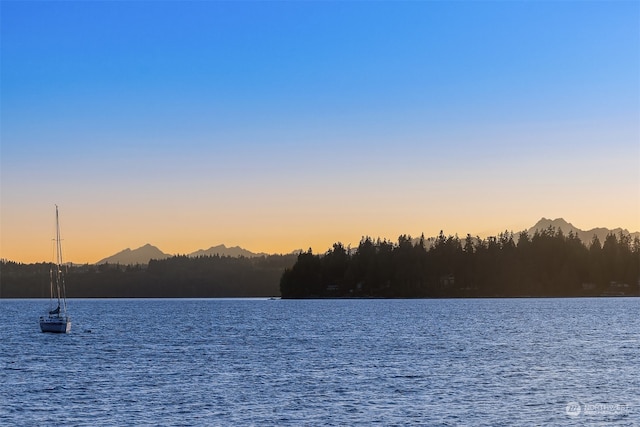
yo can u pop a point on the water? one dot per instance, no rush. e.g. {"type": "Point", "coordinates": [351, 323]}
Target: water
{"type": "Point", "coordinates": [324, 362]}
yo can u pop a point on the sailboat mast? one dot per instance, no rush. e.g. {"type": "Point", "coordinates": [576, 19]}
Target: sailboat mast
{"type": "Point", "coordinates": [62, 291]}
{"type": "Point", "coordinates": [58, 257]}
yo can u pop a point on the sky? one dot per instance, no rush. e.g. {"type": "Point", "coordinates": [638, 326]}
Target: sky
{"type": "Point", "coordinates": [284, 125]}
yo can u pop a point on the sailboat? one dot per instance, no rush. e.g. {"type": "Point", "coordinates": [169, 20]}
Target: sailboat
{"type": "Point", "coordinates": [57, 319]}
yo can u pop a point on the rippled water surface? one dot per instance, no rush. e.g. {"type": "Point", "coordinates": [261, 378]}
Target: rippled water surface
{"type": "Point", "coordinates": [324, 362]}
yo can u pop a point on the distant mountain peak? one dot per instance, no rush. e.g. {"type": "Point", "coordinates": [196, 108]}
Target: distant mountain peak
{"type": "Point", "coordinates": [222, 250]}
{"type": "Point", "coordinates": [545, 223]}
{"type": "Point", "coordinates": [142, 255]}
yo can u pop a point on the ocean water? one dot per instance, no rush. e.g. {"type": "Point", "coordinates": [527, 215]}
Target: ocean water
{"type": "Point", "coordinates": [324, 362]}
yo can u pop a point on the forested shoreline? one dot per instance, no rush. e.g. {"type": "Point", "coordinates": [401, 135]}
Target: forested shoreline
{"type": "Point", "coordinates": [175, 277]}
{"type": "Point", "coordinates": [545, 264]}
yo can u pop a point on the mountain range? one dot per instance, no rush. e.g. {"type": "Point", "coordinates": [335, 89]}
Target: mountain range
{"type": "Point", "coordinates": [143, 254]}
{"type": "Point", "coordinates": [585, 235]}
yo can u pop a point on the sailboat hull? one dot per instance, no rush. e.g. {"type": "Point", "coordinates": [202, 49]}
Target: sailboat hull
{"type": "Point", "coordinates": [60, 325]}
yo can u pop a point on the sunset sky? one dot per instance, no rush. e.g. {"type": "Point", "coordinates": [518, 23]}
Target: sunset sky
{"type": "Point", "coordinates": [278, 126]}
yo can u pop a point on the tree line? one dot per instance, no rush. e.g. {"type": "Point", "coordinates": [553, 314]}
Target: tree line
{"type": "Point", "coordinates": [545, 264]}
{"type": "Point", "coordinates": [175, 277]}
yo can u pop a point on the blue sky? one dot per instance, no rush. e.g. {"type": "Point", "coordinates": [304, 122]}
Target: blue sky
{"type": "Point", "coordinates": [279, 125]}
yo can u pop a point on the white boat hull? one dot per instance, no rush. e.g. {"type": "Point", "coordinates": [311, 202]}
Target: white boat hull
{"type": "Point", "coordinates": [60, 325]}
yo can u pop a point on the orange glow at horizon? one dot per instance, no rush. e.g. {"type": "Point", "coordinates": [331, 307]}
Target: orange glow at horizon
{"type": "Point", "coordinates": [29, 240]}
